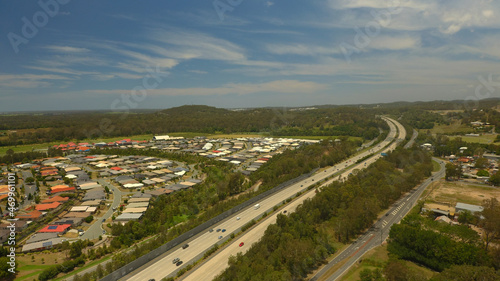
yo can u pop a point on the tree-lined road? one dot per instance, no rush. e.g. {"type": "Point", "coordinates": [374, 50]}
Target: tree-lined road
{"type": "Point", "coordinates": [378, 233]}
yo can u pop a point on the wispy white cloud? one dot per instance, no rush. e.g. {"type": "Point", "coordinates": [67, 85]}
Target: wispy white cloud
{"type": "Point", "coordinates": [67, 49]}
{"type": "Point", "coordinates": [301, 49]}
{"type": "Point", "coordinates": [278, 86]}
{"type": "Point", "coordinates": [28, 80]}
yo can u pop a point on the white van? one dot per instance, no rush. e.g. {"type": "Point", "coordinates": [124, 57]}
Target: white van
{"type": "Point", "coordinates": [256, 206]}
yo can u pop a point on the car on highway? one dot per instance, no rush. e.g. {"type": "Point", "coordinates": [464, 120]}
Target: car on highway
{"type": "Point", "coordinates": [185, 246]}
{"type": "Point", "coordinates": [176, 260]}
{"type": "Point", "coordinates": [220, 237]}
{"type": "Point", "coordinates": [241, 244]}
{"type": "Point", "coordinates": [211, 230]}
{"type": "Point", "coordinates": [284, 212]}
{"type": "Point", "coordinates": [237, 218]}
{"type": "Point", "coordinates": [223, 230]}
{"type": "Point", "coordinates": [178, 263]}
{"type": "Point", "coordinates": [218, 230]}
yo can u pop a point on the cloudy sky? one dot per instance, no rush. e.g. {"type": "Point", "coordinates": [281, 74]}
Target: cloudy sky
{"type": "Point", "coordinates": [243, 53]}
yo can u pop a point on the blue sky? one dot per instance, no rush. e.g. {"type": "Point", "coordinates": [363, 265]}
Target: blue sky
{"type": "Point", "coordinates": [243, 53]}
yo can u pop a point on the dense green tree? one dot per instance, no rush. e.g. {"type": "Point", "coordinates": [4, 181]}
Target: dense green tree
{"type": "Point", "coordinates": [495, 179]}
{"type": "Point", "coordinates": [453, 171]}
{"type": "Point", "coordinates": [491, 220]}
{"type": "Point", "coordinates": [468, 273]}
{"type": "Point", "coordinates": [482, 163]}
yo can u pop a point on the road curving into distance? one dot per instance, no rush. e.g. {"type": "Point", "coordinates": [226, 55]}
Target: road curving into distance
{"type": "Point", "coordinates": [164, 267]}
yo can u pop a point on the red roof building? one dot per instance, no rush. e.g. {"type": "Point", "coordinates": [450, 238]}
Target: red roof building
{"type": "Point", "coordinates": [116, 168]}
{"type": "Point", "coordinates": [55, 228]}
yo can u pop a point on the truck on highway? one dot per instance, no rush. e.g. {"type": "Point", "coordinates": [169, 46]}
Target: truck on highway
{"type": "Point", "coordinates": [256, 206]}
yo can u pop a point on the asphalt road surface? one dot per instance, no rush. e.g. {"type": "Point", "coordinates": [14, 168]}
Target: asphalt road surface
{"type": "Point", "coordinates": [96, 228]}
{"type": "Point", "coordinates": [199, 244]}
{"type": "Point", "coordinates": [378, 232]}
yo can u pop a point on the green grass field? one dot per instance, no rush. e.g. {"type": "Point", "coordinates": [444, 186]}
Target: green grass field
{"type": "Point", "coordinates": [435, 166]}
{"type": "Point", "coordinates": [484, 139]}
{"type": "Point", "coordinates": [456, 127]}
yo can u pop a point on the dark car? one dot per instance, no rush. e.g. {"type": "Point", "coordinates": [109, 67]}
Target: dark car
{"type": "Point", "coordinates": [178, 263]}
{"type": "Point", "coordinates": [211, 230]}
{"type": "Point", "coordinates": [223, 230]}
{"type": "Point", "coordinates": [218, 230]}
{"type": "Point", "coordinates": [185, 246]}
{"type": "Point", "coordinates": [176, 260]}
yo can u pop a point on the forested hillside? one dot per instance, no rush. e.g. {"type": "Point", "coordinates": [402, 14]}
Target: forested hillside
{"type": "Point", "coordinates": [341, 121]}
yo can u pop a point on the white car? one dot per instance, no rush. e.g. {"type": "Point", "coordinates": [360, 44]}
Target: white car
{"type": "Point", "coordinates": [237, 218]}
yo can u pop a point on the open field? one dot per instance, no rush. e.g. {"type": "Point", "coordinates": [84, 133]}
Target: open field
{"type": "Point", "coordinates": [456, 127]}
{"type": "Point", "coordinates": [453, 192]}
{"type": "Point", "coordinates": [435, 166]}
{"type": "Point", "coordinates": [485, 139]}
{"type": "Point", "coordinates": [29, 268]}
{"type": "Point", "coordinates": [444, 112]}
{"type": "Point", "coordinates": [377, 258]}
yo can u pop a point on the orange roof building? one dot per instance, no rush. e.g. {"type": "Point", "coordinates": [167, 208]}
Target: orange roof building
{"type": "Point", "coordinates": [67, 189]}
{"type": "Point", "coordinates": [30, 216]}
{"type": "Point", "coordinates": [56, 198]}
{"type": "Point", "coordinates": [48, 206]}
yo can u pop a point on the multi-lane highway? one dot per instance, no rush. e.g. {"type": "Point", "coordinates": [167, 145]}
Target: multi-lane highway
{"type": "Point", "coordinates": [376, 234]}
{"type": "Point", "coordinates": [164, 266]}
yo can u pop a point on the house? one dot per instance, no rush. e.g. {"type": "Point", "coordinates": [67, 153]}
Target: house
{"type": "Point", "coordinates": [129, 217]}
{"type": "Point", "coordinates": [54, 228]}
{"type": "Point", "coordinates": [56, 198]}
{"type": "Point", "coordinates": [159, 138]}
{"type": "Point", "coordinates": [47, 206]}
{"type": "Point", "coordinates": [20, 225]}
{"type": "Point", "coordinates": [33, 215]}
{"type": "Point", "coordinates": [66, 189]}
{"type": "Point", "coordinates": [42, 245]}
{"type": "Point", "coordinates": [468, 207]}
{"type": "Point", "coordinates": [72, 221]}
{"type": "Point", "coordinates": [37, 237]}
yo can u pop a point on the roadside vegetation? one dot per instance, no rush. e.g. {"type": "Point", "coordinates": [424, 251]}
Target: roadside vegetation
{"type": "Point", "coordinates": [300, 242]}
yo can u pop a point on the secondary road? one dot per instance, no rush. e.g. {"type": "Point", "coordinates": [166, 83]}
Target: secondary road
{"type": "Point", "coordinates": [163, 266]}
{"type": "Point", "coordinates": [96, 228]}
{"type": "Point", "coordinates": [412, 140]}
{"type": "Point", "coordinates": [378, 233]}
